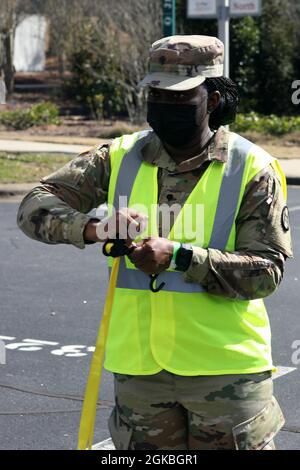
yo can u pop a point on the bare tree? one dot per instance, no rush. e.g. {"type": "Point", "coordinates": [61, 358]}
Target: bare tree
{"type": "Point", "coordinates": [11, 13]}
{"type": "Point", "coordinates": [122, 32]}
{"type": "Point", "coordinates": [7, 29]}
{"type": "Point", "coordinates": [139, 25]}
{"type": "Point", "coordinates": [65, 17]}
{"type": "Point", "coordinates": [119, 35]}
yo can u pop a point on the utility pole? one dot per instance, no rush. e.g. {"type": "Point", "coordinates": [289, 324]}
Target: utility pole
{"type": "Point", "coordinates": [223, 31]}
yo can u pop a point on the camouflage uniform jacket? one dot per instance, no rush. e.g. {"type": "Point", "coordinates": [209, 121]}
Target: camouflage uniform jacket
{"type": "Point", "coordinates": [56, 212]}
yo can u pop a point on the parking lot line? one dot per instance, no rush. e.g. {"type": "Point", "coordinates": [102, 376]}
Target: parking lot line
{"type": "Point", "coordinates": [282, 371]}
{"type": "Point", "coordinates": [107, 444]}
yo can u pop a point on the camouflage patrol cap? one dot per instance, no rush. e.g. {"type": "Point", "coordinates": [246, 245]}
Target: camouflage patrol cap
{"type": "Point", "coordinates": [184, 62]}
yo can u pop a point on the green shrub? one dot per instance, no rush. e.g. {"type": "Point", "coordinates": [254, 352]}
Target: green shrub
{"type": "Point", "coordinates": [120, 128]}
{"type": "Point", "coordinates": [41, 113]}
{"type": "Point", "coordinates": [272, 124]}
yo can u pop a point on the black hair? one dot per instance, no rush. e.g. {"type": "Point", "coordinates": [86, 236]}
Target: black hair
{"type": "Point", "coordinates": [226, 110]}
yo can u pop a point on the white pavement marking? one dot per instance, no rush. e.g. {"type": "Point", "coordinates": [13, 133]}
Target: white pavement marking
{"type": "Point", "coordinates": [33, 345]}
{"type": "Point", "coordinates": [282, 371]}
{"type": "Point", "coordinates": [293, 209]}
{"type": "Point", "coordinates": [107, 444]}
{"type": "Point", "coordinates": [29, 340]}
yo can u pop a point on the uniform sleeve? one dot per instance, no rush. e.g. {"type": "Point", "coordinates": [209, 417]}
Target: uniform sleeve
{"type": "Point", "coordinates": [56, 211]}
{"type": "Point", "coordinates": [263, 242]}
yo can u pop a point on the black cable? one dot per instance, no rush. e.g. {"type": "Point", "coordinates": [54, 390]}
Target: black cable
{"type": "Point", "coordinates": [21, 413]}
{"type": "Point", "coordinates": [41, 412]}
{"type": "Point", "coordinates": [291, 429]}
{"type": "Point", "coordinates": [102, 403]}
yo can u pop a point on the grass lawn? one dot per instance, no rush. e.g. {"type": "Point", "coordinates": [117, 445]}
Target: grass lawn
{"type": "Point", "coordinates": [29, 167]}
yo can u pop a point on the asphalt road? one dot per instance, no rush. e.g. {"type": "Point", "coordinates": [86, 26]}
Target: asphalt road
{"type": "Point", "coordinates": [51, 302]}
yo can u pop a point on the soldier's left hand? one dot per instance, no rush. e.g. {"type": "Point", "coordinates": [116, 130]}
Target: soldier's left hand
{"type": "Point", "coordinates": [152, 255]}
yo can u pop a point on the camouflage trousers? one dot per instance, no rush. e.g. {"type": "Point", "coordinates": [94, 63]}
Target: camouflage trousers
{"type": "Point", "coordinates": [165, 411]}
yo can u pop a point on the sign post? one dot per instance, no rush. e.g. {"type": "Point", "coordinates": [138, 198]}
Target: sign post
{"type": "Point", "coordinates": [2, 91]}
{"type": "Point", "coordinates": [169, 17]}
{"type": "Point", "coordinates": [223, 10]}
{"type": "Point", "coordinates": [223, 31]}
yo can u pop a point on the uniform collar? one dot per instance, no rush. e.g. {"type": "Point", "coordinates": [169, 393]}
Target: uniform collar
{"type": "Point", "coordinates": [154, 152]}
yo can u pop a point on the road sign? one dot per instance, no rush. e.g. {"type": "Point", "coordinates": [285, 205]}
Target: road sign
{"type": "Point", "coordinates": [169, 18]}
{"type": "Point", "coordinates": [245, 8]}
{"type": "Point", "coordinates": [209, 8]}
{"type": "Point", "coordinates": [202, 9]}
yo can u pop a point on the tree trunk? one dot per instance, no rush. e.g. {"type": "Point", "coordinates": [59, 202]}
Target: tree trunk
{"type": "Point", "coordinates": [8, 61]}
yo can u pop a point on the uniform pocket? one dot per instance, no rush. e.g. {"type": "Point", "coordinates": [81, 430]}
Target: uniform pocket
{"type": "Point", "coordinates": [258, 431]}
{"type": "Point", "coordinates": [120, 432]}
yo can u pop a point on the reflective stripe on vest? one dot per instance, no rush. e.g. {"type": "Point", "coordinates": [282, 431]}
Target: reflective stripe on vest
{"type": "Point", "coordinates": [224, 218]}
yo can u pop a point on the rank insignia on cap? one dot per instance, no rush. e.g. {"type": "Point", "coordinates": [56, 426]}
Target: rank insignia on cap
{"type": "Point", "coordinates": [285, 218]}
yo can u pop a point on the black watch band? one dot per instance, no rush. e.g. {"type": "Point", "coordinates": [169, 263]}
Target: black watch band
{"type": "Point", "coordinates": [183, 257]}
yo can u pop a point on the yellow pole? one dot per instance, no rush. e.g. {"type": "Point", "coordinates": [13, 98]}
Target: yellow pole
{"type": "Point", "coordinates": [89, 408]}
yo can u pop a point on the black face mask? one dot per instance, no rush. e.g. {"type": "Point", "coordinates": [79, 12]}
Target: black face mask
{"type": "Point", "coordinates": [175, 124]}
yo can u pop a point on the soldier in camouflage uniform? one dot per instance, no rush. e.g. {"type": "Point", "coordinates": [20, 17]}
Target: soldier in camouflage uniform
{"type": "Point", "coordinates": [165, 410]}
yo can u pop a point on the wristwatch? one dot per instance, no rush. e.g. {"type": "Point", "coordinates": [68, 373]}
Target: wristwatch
{"type": "Point", "coordinates": [183, 257]}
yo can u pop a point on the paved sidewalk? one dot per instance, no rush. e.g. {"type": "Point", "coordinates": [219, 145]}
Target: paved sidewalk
{"type": "Point", "coordinates": [54, 139]}
{"type": "Point", "coordinates": [41, 147]}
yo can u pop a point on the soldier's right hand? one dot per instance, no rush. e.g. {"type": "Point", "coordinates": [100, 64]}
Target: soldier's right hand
{"type": "Point", "coordinates": [127, 223]}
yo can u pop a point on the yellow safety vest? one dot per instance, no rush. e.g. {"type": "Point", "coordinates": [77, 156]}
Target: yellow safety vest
{"type": "Point", "coordinates": [183, 328]}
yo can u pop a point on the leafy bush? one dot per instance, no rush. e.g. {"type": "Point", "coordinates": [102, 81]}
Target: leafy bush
{"type": "Point", "coordinates": [41, 113]}
{"type": "Point", "coordinates": [272, 124]}
{"type": "Point", "coordinates": [120, 128]}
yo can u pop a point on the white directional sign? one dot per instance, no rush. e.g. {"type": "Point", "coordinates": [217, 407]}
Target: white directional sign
{"type": "Point", "coordinates": [202, 8]}
{"type": "Point", "coordinates": [209, 8]}
{"type": "Point", "coordinates": [245, 7]}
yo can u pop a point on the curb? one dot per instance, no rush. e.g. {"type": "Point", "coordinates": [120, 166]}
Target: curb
{"type": "Point", "coordinates": [293, 180]}
{"type": "Point", "coordinates": [10, 193]}
{"type": "Point", "coordinates": [11, 190]}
